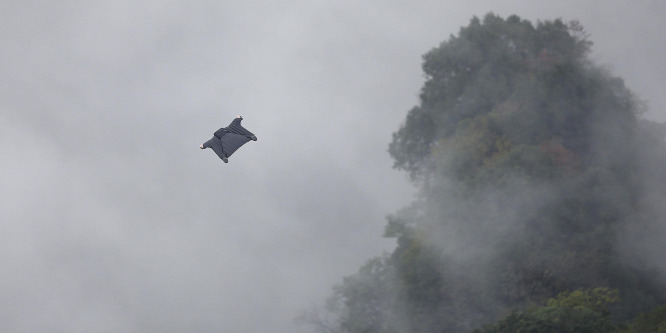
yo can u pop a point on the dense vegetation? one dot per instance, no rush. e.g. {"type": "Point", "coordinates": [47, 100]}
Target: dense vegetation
{"type": "Point", "coordinates": [536, 177]}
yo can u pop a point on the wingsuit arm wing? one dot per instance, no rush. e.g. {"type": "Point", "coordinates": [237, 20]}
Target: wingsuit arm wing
{"type": "Point", "coordinates": [236, 128]}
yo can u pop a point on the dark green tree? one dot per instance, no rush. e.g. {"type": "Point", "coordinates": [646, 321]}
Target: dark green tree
{"type": "Point", "coordinates": [582, 311]}
{"type": "Point", "coordinates": [530, 162]}
{"type": "Point", "coordinates": [652, 322]}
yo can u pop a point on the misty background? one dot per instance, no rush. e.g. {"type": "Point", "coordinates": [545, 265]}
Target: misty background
{"type": "Point", "coordinates": [113, 220]}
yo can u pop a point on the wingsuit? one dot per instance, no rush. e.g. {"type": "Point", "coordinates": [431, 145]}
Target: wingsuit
{"type": "Point", "coordinates": [227, 140]}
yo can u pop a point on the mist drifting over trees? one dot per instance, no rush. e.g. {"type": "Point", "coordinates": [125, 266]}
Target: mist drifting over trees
{"type": "Point", "coordinates": [539, 185]}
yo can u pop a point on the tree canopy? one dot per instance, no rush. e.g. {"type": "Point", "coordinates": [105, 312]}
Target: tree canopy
{"type": "Point", "coordinates": [531, 163]}
{"type": "Point", "coordinates": [581, 311]}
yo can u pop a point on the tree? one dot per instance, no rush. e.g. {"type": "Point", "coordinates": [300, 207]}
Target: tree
{"type": "Point", "coordinates": [581, 311]}
{"type": "Point", "coordinates": [529, 160]}
{"type": "Point", "coordinates": [652, 322]}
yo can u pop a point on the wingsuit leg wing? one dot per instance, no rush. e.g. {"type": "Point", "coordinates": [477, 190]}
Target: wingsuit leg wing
{"type": "Point", "coordinates": [231, 142]}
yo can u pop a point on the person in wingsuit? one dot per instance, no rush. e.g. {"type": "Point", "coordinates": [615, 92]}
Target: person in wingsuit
{"type": "Point", "coordinates": [227, 140]}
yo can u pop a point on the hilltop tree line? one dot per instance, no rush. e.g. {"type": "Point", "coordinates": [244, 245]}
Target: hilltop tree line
{"type": "Point", "coordinates": [536, 175]}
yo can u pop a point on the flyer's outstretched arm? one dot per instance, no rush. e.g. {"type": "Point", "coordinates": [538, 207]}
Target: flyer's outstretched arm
{"type": "Point", "coordinates": [236, 128]}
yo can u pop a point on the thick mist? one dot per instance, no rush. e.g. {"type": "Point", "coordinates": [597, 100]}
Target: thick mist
{"type": "Point", "coordinates": [114, 221]}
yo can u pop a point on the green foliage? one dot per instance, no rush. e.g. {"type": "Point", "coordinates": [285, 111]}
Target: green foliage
{"type": "Point", "coordinates": [365, 298]}
{"type": "Point", "coordinates": [581, 311]}
{"type": "Point", "coordinates": [596, 299]}
{"type": "Point", "coordinates": [527, 157]}
{"type": "Point", "coordinates": [508, 83]}
{"type": "Point", "coordinates": [653, 322]}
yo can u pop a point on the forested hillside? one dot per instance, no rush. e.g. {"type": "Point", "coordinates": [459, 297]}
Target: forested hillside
{"type": "Point", "coordinates": [539, 200]}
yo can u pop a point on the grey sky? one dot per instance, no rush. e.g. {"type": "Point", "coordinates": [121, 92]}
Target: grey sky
{"type": "Point", "coordinates": [114, 221]}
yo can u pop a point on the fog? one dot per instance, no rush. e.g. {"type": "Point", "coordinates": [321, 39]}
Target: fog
{"type": "Point", "coordinates": [115, 221]}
